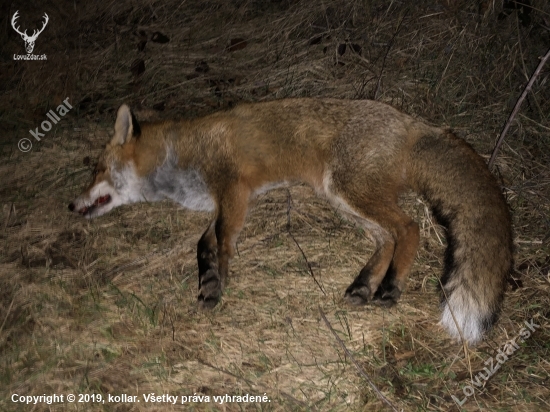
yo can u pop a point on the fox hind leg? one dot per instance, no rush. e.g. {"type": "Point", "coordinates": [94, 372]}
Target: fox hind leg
{"type": "Point", "coordinates": [383, 278]}
{"type": "Point", "coordinates": [406, 245]}
{"type": "Point", "coordinates": [365, 285]}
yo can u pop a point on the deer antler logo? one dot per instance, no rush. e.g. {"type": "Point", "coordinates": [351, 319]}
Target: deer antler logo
{"type": "Point", "coordinates": [29, 40]}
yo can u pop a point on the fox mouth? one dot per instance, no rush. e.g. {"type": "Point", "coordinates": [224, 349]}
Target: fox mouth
{"type": "Point", "coordinates": [100, 201]}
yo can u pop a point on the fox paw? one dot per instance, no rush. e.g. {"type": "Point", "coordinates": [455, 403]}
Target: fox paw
{"type": "Point", "coordinates": [210, 291]}
{"type": "Point", "coordinates": [386, 298]}
{"type": "Point", "coordinates": [358, 294]}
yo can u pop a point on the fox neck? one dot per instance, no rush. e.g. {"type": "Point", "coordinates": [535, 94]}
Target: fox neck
{"type": "Point", "coordinates": [185, 186]}
{"type": "Point", "coordinates": [168, 180]}
{"type": "Point", "coordinates": [130, 186]}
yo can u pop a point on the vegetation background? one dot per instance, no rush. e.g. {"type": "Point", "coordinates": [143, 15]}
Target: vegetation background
{"type": "Point", "coordinates": [108, 306]}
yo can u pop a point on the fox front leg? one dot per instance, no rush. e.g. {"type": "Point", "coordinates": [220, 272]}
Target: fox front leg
{"type": "Point", "coordinates": [210, 288]}
{"type": "Point", "coordinates": [216, 246]}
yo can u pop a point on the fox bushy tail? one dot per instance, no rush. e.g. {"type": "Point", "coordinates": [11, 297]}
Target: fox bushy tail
{"type": "Point", "coordinates": [466, 199]}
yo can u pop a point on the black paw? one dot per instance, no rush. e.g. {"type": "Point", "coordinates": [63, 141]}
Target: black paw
{"type": "Point", "coordinates": [386, 296]}
{"type": "Point", "coordinates": [357, 294]}
{"type": "Point", "coordinates": [207, 259]}
{"type": "Point", "coordinates": [210, 290]}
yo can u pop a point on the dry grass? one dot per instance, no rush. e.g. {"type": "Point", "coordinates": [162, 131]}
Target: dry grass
{"type": "Point", "coordinates": [108, 306]}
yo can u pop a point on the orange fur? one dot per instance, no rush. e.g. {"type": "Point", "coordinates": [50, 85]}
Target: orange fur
{"type": "Point", "coordinates": [360, 155]}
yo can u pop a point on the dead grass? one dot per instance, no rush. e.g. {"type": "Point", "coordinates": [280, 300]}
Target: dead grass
{"type": "Point", "coordinates": [108, 306]}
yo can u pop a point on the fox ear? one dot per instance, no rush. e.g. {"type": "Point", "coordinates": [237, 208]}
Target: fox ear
{"type": "Point", "coordinates": [126, 126]}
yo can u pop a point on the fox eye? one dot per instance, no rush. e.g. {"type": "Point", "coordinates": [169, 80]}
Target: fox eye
{"type": "Point", "coordinates": [99, 167]}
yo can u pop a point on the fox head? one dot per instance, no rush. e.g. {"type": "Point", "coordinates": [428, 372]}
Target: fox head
{"type": "Point", "coordinates": [115, 181]}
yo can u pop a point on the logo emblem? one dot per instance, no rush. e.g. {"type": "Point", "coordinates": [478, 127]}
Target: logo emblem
{"type": "Point", "coordinates": [29, 40]}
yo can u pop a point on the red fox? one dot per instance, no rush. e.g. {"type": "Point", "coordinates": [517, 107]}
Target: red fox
{"type": "Point", "coordinates": [359, 154]}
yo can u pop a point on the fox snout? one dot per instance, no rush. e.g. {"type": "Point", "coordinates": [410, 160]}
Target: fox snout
{"type": "Point", "coordinates": [88, 210]}
{"type": "Point", "coordinates": [115, 180]}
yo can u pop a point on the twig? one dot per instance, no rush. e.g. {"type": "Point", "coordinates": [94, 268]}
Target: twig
{"type": "Point", "coordinates": [390, 44]}
{"type": "Point", "coordinates": [297, 244]}
{"type": "Point", "coordinates": [9, 217]}
{"type": "Point", "coordinates": [361, 371]}
{"type": "Point", "coordinates": [517, 106]}
{"type": "Point", "coordinates": [7, 314]}
{"type": "Point", "coordinates": [463, 341]}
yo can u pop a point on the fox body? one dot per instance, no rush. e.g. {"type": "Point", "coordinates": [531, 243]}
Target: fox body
{"type": "Point", "coordinates": [360, 155]}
